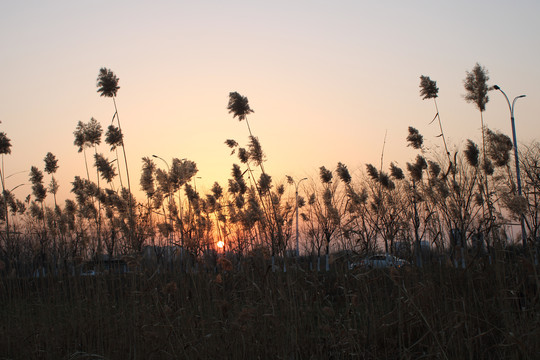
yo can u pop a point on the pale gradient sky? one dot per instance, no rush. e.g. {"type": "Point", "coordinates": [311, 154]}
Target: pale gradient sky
{"type": "Point", "coordinates": [326, 79]}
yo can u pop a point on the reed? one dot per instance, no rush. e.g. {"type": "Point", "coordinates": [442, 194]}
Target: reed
{"type": "Point", "coordinates": [488, 311]}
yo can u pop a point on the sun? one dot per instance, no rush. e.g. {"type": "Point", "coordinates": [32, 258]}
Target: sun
{"type": "Point", "coordinates": [220, 244]}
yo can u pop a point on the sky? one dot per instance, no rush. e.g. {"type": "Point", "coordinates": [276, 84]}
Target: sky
{"type": "Point", "coordinates": [329, 81]}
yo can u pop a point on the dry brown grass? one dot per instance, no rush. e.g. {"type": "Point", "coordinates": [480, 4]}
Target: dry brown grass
{"type": "Point", "coordinates": [442, 313]}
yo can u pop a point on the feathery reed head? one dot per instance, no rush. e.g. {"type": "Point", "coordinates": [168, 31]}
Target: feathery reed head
{"type": "Point", "coordinates": [487, 166]}
{"type": "Point", "coordinates": [114, 137]}
{"type": "Point", "coordinates": [396, 172]}
{"type": "Point", "coordinates": [79, 134]}
{"type": "Point", "coordinates": [5, 144]}
{"type": "Point", "coordinates": [51, 163]}
{"type": "Point", "coordinates": [416, 169]}
{"type": "Point", "coordinates": [238, 184]}
{"type": "Point", "coordinates": [182, 171]}
{"type": "Point", "coordinates": [236, 172]}
{"type": "Point", "coordinates": [343, 173]}
{"type": "Point", "coordinates": [414, 138]}
{"type": "Point", "coordinates": [92, 132]}
{"type": "Point", "coordinates": [243, 155]}
{"type": "Point", "coordinates": [434, 169]}
{"type": "Point", "coordinates": [192, 195]}
{"type": "Point", "coordinates": [147, 176]}
{"type": "Point", "coordinates": [428, 88]}
{"type": "Point", "coordinates": [499, 147]}
{"type": "Point", "coordinates": [104, 167]}
{"type": "Point", "coordinates": [238, 106]}
{"type": "Point", "coordinates": [385, 181]}
{"type": "Point", "coordinates": [472, 153]}
{"type": "Point", "coordinates": [372, 172]}
{"type": "Point", "coordinates": [217, 190]}
{"type": "Point", "coordinates": [265, 183]}
{"type": "Point", "coordinates": [107, 83]}
{"type": "Point", "coordinates": [256, 153]}
{"type": "Point", "coordinates": [231, 143]}
{"type": "Point", "coordinates": [476, 86]}
{"type": "Point", "coordinates": [325, 174]}
{"type": "Point", "coordinates": [36, 178]}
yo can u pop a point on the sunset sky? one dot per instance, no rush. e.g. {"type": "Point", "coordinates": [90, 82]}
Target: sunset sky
{"type": "Point", "coordinates": [326, 79]}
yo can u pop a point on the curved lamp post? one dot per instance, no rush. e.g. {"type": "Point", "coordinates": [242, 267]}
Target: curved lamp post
{"type": "Point", "coordinates": [511, 107]}
{"type": "Point", "coordinates": [195, 182]}
{"type": "Point", "coordinates": [162, 159]}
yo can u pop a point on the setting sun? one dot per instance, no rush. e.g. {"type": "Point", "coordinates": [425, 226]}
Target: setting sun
{"type": "Point", "coordinates": [269, 179]}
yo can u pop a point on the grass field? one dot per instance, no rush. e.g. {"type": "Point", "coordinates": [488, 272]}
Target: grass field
{"type": "Point", "coordinates": [483, 312]}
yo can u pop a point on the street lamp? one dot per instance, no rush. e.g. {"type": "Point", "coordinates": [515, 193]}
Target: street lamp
{"type": "Point", "coordinates": [296, 184]}
{"type": "Point", "coordinates": [162, 159]}
{"type": "Point", "coordinates": [511, 107]}
{"type": "Point", "coordinates": [195, 182]}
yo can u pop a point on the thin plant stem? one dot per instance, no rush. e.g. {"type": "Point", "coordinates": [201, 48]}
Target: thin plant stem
{"type": "Point", "coordinates": [98, 217]}
{"type": "Point", "coordinates": [86, 165]}
{"type": "Point", "coordinates": [486, 184]}
{"type": "Point", "coordinates": [262, 201]}
{"type": "Point", "coordinates": [116, 148]}
{"type": "Point", "coordinates": [442, 132]}
{"type": "Point", "coordinates": [2, 177]}
{"type": "Point", "coordinates": [127, 171]}
{"type": "Point", "coordinates": [119, 172]}
{"type": "Point", "coordinates": [382, 151]}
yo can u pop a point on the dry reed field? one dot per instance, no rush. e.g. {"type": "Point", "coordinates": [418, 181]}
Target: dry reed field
{"type": "Point", "coordinates": [250, 312]}
{"type": "Point", "coordinates": [268, 268]}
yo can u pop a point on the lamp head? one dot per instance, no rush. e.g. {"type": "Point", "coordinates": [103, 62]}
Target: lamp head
{"type": "Point", "coordinates": [496, 87]}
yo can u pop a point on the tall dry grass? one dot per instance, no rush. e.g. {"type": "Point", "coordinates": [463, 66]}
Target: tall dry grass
{"type": "Point", "coordinates": [486, 312]}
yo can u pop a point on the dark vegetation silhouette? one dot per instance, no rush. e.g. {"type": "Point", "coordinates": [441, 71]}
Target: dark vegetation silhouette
{"type": "Point", "coordinates": [106, 275]}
